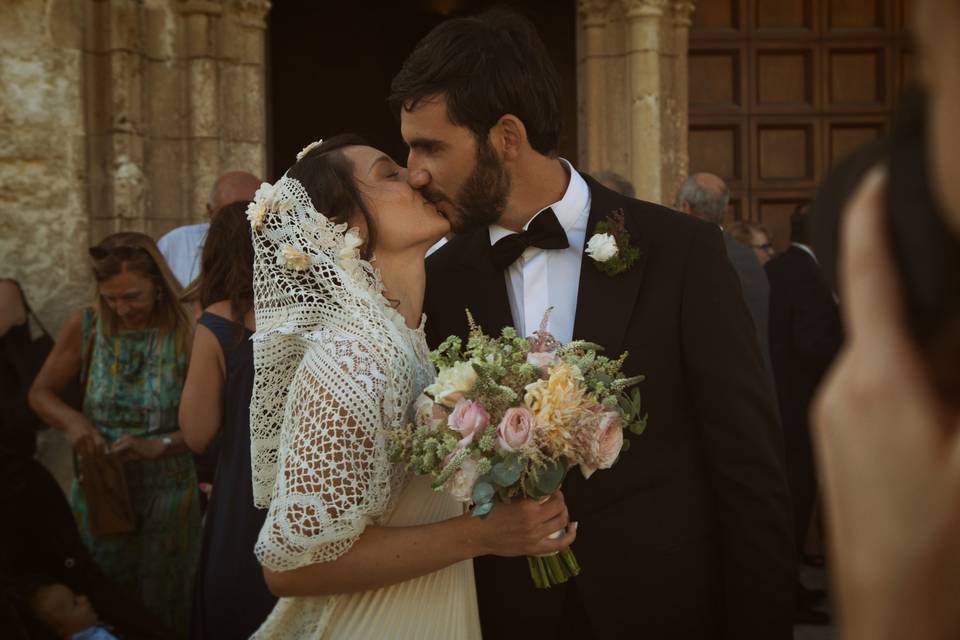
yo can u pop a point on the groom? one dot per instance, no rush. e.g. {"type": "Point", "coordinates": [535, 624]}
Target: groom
{"type": "Point", "coordinates": [689, 535]}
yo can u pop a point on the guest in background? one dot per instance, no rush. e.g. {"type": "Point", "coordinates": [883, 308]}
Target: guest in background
{"type": "Point", "coordinates": [616, 182]}
{"type": "Point", "coordinates": [753, 236]}
{"type": "Point", "coordinates": [130, 348]}
{"type": "Point", "coordinates": [805, 334]}
{"type": "Point", "coordinates": [706, 196]}
{"type": "Point", "coordinates": [67, 615]}
{"type": "Point", "coordinates": [230, 597]}
{"type": "Point", "coordinates": [182, 246]}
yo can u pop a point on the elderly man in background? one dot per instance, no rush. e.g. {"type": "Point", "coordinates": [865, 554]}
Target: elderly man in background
{"type": "Point", "coordinates": [706, 196]}
{"type": "Point", "coordinates": [182, 246]}
{"type": "Point", "coordinates": [616, 182]}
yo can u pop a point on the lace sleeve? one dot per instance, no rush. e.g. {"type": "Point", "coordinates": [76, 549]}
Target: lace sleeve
{"type": "Point", "coordinates": [333, 475]}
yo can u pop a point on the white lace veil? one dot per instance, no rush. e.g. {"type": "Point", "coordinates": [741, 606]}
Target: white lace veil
{"type": "Point", "coordinates": [307, 274]}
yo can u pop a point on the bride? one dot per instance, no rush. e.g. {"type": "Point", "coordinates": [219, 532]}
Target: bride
{"type": "Point", "coordinates": [352, 545]}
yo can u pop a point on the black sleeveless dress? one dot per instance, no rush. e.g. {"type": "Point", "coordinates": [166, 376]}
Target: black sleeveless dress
{"type": "Point", "coordinates": [231, 599]}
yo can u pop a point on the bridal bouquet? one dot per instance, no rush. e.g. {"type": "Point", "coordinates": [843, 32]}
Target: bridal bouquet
{"type": "Point", "coordinates": [507, 418]}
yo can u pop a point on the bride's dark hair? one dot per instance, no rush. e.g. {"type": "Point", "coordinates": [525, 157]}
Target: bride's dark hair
{"type": "Point", "coordinates": [327, 175]}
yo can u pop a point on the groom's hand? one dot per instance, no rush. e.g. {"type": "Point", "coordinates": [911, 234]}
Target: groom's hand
{"type": "Point", "coordinates": [524, 527]}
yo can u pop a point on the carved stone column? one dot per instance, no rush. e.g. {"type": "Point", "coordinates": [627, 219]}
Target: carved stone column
{"type": "Point", "coordinates": [592, 86]}
{"type": "Point", "coordinates": [682, 10]}
{"type": "Point", "coordinates": [643, 63]}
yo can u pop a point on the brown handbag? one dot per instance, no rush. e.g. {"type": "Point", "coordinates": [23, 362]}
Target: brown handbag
{"type": "Point", "coordinates": [104, 483]}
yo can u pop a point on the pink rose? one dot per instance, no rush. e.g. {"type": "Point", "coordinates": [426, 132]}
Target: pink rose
{"type": "Point", "coordinates": [468, 418]}
{"type": "Point", "coordinates": [460, 484]}
{"type": "Point", "coordinates": [515, 428]}
{"type": "Point", "coordinates": [603, 444]}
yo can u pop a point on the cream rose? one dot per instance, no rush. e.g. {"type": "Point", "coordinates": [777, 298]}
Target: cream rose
{"type": "Point", "coordinates": [428, 413]}
{"type": "Point", "coordinates": [604, 443]}
{"type": "Point", "coordinates": [602, 247]}
{"type": "Point", "coordinates": [452, 383]}
{"type": "Point", "coordinates": [515, 429]}
{"type": "Point", "coordinates": [460, 484]}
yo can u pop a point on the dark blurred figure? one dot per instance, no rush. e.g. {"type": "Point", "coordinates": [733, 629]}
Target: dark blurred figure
{"type": "Point", "coordinates": [805, 335]}
{"type": "Point", "coordinates": [40, 544]}
{"type": "Point", "coordinates": [230, 597]}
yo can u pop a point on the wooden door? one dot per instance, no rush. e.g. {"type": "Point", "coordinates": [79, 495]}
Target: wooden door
{"type": "Point", "coordinates": [780, 90]}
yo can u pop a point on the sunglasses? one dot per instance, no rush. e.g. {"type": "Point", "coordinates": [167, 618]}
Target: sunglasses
{"type": "Point", "coordinates": [123, 252]}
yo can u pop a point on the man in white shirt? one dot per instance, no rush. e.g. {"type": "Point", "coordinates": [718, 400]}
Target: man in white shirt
{"type": "Point", "coordinates": [695, 517]}
{"type": "Point", "coordinates": [182, 246]}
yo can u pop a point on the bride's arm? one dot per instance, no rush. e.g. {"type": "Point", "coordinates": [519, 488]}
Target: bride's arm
{"type": "Point", "coordinates": [387, 555]}
{"type": "Point", "coordinates": [334, 481]}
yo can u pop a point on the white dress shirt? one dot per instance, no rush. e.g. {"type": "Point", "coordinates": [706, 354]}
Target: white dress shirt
{"type": "Point", "coordinates": [181, 248]}
{"type": "Point", "coordinates": [544, 278]}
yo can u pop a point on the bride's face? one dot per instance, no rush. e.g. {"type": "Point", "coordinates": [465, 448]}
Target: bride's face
{"type": "Point", "coordinates": [403, 218]}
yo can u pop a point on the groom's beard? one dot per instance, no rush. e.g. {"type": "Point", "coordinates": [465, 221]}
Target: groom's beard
{"type": "Point", "coordinates": [483, 197]}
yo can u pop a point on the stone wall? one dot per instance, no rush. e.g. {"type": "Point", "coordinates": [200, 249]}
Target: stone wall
{"type": "Point", "coordinates": [118, 115]}
{"type": "Point", "coordinates": [632, 86]}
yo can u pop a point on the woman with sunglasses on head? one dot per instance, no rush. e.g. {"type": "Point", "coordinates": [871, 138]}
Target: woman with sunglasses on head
{"type": "Point", "coordinates": [130, 349]}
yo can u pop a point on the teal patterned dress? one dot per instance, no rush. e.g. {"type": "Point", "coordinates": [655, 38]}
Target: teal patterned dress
{"type": "Point", "coordinates": [133, 388]}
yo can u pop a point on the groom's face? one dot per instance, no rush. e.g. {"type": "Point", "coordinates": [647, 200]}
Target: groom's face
{"type": "Point", "coordinates": [462, 176]}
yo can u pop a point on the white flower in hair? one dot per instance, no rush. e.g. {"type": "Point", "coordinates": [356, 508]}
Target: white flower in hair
{"type": "Point", "coordinates": [292, 258]}
{"type": "Point", "coordinates": [307, 149]}
{"type": "Point", "coordinates": [256, 214]}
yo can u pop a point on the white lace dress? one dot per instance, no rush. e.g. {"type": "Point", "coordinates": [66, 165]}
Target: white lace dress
{"type": "Point", "coordinates": [334, 479]}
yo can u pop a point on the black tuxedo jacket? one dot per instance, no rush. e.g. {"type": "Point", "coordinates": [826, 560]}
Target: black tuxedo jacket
{"type": "Point", "coordinates": [805, 332]}
{"type": "Point", "coordinates": [689, 535]}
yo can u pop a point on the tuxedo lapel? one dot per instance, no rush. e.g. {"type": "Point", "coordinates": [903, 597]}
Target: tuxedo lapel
{"type": "Point", "coordinates": [605, 303]}
{"type": "Point", "coordinates": [482, 285]}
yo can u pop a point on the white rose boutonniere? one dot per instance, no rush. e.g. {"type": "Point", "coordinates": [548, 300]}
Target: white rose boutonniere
{"type": "Point", "coordinates": [602, 247]}
{"type": "Point", "coordinates": [610, 246]}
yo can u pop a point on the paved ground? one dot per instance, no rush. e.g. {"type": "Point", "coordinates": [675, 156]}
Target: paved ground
{"type": "Point", "coordinates": [815, 579]}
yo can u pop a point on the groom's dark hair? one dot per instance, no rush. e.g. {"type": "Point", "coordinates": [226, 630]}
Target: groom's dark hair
{"type": "Point", "coordinates": [486, 66]}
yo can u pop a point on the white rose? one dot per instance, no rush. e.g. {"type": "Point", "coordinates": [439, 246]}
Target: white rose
{"type": "Point", "coordinates": [452, 383]}
{"type": "Point", "coordinates": [460, 484]}
{"type": "Point", "coordinates": [602, 247]}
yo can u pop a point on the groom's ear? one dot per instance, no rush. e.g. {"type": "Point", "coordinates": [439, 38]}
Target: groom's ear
{"type": "Point", "coordinates": [509, 137]}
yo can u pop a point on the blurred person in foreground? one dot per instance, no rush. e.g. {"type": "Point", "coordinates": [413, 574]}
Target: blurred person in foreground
{"type": "Point", "coordinates": [230, 598]}
{"type": "Point", "coordinates": [181, 247]}
{"type": "Point", "coordinates": [887, 439]}
{"type": "Point", "coordinates": [130, 349]}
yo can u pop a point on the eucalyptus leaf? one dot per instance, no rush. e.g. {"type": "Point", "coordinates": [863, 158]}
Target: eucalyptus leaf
{"type": "Point", "coordinates": [482, 510]}
{"type": "Point", "coordinates": [547, 480]}
{"type": "Point", "coordinates": [506, 472]}
{"type": "Point", "coordinates": [483, 493]}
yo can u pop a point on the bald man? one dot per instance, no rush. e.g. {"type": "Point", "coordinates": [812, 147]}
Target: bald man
{"type": "Point", "coordinates": [182, 246]}
{"type": "Point", "coordinates": [707, 196]}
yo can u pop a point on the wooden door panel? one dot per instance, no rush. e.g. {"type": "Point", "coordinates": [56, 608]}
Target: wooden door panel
{"type": "Point", "coordinates": [719, 146]}
{"type": "Point", "coordinates": [843, 135]}
{"type": "Point", "coordinates": [719, 17]}
{"type": "Point", "coordinates": [845, 18]}
{"type": "Point", "coordinates": [784, 79]}
{"type": "Point", "coordinates": [785, 153]}
{"type": "Point", "coordinates": [857, 78]}
{"type": "Point", "coordinates": [715, 78]}
{"type": "Point", "coordinates": [777, 17]}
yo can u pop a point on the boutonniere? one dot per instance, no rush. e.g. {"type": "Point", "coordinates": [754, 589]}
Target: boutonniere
{"type": "Point", "coordinates": [610, 246]}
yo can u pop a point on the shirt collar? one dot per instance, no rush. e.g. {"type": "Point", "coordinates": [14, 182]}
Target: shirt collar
{"type": "Point", "coordinates": [806, 249]}
{"type": "Point", "coordinates": [569, 209]}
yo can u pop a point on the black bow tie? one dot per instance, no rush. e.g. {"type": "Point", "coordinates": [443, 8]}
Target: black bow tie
{"type": "Point", "coordinates": [544, 232]}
